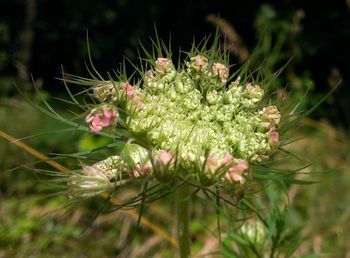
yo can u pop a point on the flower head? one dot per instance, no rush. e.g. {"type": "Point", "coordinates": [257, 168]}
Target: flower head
{"type": "Point", "coordinates": [215, 131]}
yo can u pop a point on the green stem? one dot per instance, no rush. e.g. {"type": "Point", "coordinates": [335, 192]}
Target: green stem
{"type": "Point", "coordinates": [183, 220]}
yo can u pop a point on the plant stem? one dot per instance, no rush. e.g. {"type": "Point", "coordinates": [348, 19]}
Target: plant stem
{"type": "Point", "coordinates": [183, 220]}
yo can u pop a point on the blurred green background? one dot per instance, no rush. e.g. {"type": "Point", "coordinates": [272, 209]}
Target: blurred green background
{"type": "Point", "coordinates": [38, 38]}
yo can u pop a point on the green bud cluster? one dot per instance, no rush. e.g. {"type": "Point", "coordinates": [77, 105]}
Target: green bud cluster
{"type": "Point", "coordinates": [183, 112]}
{"type": "Point", "coordinates": [189, 120]}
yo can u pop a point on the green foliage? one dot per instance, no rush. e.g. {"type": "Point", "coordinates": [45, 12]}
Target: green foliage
{"type": "Point", "coordinates": [279, 46]}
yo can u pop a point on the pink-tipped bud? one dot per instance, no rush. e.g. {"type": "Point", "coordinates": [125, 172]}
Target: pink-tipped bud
{"type": "Point", "coordinates": [147, 168]}
{"type": "Point", "coordinates": [270, 116]}
{"type": "Point", "coordinates": [163, 166]}
{"type": "Point", "coordinates": [138, 102]}
{"type": "Point", "coordinates": [274, 136]}
{"type": "Point", "coordinates": [239, 167]}
{"type": "Point", "coordinates": [142, 170]}
{"type": "Point", "coordinates": [161, 61]}
{"type": "Point", "coordinates": [104, 91]}
{"type": "Point", "coordinates": [96, 128]}
{"type": "Point", "coordinates": [227, 160]}
{"type": "Point", "coordinates": [221, 71]}
{"type": "Point", "coordinates": [109, 112]}
{"type": "Point", "coordinates": [235, 178]}
{"type": "Point", "coordinates": [162, 64]}
{"type": "Point", "coordinates": [89, 118]}
{"type": "Point", "coordinates": [106, 121]}
{"type": "Point", "coordinates": [166, 157]}
{"type": "Point", "coordinates": [255, 92]}
{"type": "Point", "coordinates": [102, 118]}
{"type": "Point", "coordinates": [128, 89]}
{"type": "Point", "coordinates": [235, 173]}
{"type": "Point", "coordinates": [199, 63]}
{"type": "Point", "coordinates": [211, 165]}
{"type": "Point", "coordinates": [97, 120]}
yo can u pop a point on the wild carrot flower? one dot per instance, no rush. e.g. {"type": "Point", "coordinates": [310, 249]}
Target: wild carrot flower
{"type": "Point", "coordinates": [181, 114]}
{"type": "Point", "coordinates": [186, 123]}
{"type": "Point", "coordinates": [180, 128]}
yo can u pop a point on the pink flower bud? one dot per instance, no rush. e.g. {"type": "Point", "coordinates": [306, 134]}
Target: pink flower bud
{"type": "Point", "coordinates": [106, 121]}
{"type": "Point", "coordinates": [137, 101]}
{"type": "Point", "coordinates": [161, 61]}
{"type": "Point", "coordinates": [273, 136]}
{"type": "Point", "coordinates": [166, 157]}
{"type": "Point", "coordinates": [211, 165]}
{"type": "Point", "coordinates": [236, 178]}
{"type": "Point", "coordinates": [235, 172]}
{"type": "Point", "coordinates": [255, 92]}
{"type": "Point", "coordinates": [96, 121]}
{"type": "Point", "coordinates": [147, 168]}
{"type": "Point", "coordinates": [162, 64]}
{"type": "Point", "coordinates": [102, 118]}
{"type": "Point", "coordinates": [164, 164]}
{"type": "Point", "coordinates": [227, 160]}
{"type": "Point", "coordinates": [128, 89]}
{"type": "Point", "coordinates": [141, 170]}
{"type": "Point", "coordinates": [221, 71]}
{"type": "Point", "coordinates": [241, 166]}
{"type": "Point", "coordinates": [109, 112]}
{"type": "Point", "coordinates": [270, 116]}
{"type": "Point", "coordinates": [89, 118]}
{"type": "Point", "coordinates": [200, 63]}
{"type": "Point", "coordinates": [95, 128]}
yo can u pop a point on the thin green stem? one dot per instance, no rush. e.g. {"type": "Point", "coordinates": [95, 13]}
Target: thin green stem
{"type": "Point", "coordinates": [183, 220]}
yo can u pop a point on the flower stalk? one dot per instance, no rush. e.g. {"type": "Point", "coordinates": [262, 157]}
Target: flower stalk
{"type": "Point", "coordinates": [183, 202]}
